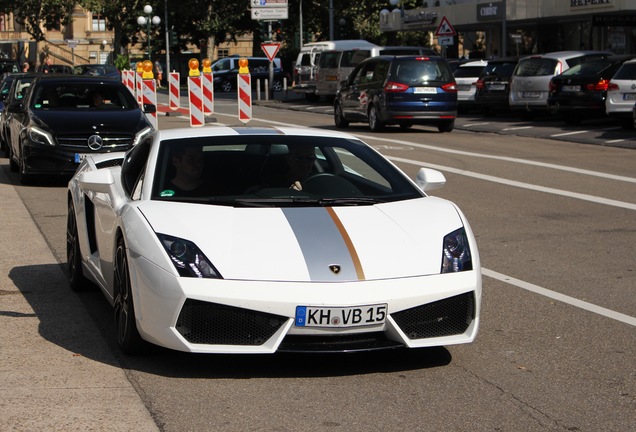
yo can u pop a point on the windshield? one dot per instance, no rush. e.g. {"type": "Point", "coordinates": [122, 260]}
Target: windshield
{"type": "Point", "coordinates": [537, 67]}
{"type": "Point", "coordinates": [418, 71]}
{"type": "Point", "coordinates": [70, 95]}
{"type": "Point", "coordinates": [276, 171]}
{"type": "Point", "coordinates": [588, 68]}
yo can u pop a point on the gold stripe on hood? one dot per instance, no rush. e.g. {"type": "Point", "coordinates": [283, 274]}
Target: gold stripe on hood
{"type": "Point", "coordinates": [348, 243]}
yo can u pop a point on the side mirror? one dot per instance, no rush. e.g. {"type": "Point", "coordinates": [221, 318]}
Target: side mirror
{"type": "Point", "coordinates": [150, 108]}
{"type": "Point", "coordinates": [429, 179]}
{"type": "Point", "coordinates": [97, 181]}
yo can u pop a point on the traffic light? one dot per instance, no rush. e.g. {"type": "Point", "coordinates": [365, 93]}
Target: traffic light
{"type": "Point", "coordinates": [173, 38]}
{"type": "Point", "coordinates": [263, 31]}
{"type": "Point", "coordinates": [277, 30]}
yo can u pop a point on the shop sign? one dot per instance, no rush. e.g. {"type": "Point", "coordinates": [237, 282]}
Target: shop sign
{"type": "Point", "coordinates": [490, 11]}
{"type": "Point", "coordinates": [614, 20]}
{"type": "Point", "coordinates": [418, 16]}
{"type": "Point", "coordinates": [583, 3]}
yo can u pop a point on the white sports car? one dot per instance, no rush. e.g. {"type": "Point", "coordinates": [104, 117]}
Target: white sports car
{"type": "Point", "coordinates": [258, 240]}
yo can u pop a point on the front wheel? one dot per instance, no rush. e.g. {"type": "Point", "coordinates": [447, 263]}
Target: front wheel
{"type": "Point", "coordinates": [374, 122]}
{"type": "Point", "coordinates": [76, 276]}
{"type": "Point", "coordinates": [277, 85]}
{"type": "Point", "coordinates": [128, 336]}
{"type": "Point", "coordinates": [338, 117]}
{"type": "Point", "coordinates": [226, 86]}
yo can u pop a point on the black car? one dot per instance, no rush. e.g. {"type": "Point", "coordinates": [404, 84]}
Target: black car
{"type": "Point", "coordinates": [101, 70]}
{"type": "Point", "coordinates": [579, 93]}
{"type": "Point", "coordinates": [62, 118]}
{"type": "Point", "coordinates": [14, 87]}
{"type": "Point", "coordinates": [398, 90]}
{"type": "Point", "coordinates": [493, 85]}
{"type": "Point", "coordinates": [225, 71]}
{"type": "Point", "coordinates": [9, 66]}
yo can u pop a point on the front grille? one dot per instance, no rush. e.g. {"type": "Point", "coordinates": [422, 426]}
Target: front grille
{"type": "Point", "coordinates": [445, 317]}
{"type": "Point", "coordinates": [111, 142]}
{"type": "Point", "coordinates": [340, 343]}
{"type": "Point", "coordinates": [210, 323]}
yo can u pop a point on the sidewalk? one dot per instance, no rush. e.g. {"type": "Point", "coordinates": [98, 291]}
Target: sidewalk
{"type": "Point", "coordinates": [56, 371]}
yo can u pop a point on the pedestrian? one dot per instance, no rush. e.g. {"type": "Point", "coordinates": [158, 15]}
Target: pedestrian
{"type": "Point", "coordinates": [25, 67]}
{"type": "Point", "coordinates": [159, 73]}
{"type": "Point", "coordinates": [47, 65]}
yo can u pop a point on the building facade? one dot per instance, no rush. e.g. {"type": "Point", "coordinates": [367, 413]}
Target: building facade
{"type": "Point", "coordinates": [522, 27]}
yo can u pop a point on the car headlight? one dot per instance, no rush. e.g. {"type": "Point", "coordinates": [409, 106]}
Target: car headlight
{"type": "Point", "coordinates": [40, 136]}
{"type": "Point", "coordinates": [456, 252]}
{"type": "Point", "coordinates": [188, 258]}
{"type": "Point", "coordinates": [142, 134]}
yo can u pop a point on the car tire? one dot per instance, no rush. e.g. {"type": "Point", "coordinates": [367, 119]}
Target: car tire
{"type": "Point", "coordinates": [76, 277]}
{"type": "Point", "coordinates": [277, 85]}
{"type": "Point", "coordinates": [374, 121]}
{"type": "Point", "coordinates": [128, 337]}
{"type": "Point", "coordinates": [25, 177]}
{"type": "Point", "coordinates": [226, 86]}
{"type": "Point", "coordinates": [446, 126]}
{"type": "Point", "coordinates": [12, 163]}
{"type": "Point", "coordinates": [339, 119]}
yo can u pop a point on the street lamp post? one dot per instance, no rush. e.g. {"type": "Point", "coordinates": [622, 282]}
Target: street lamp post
{"type": "Point", "coordinates": [142, 20]}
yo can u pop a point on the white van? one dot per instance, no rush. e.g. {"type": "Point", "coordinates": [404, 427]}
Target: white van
{"type": "Point", "coordinates": [336, 64]}
{"type": "Point", "coordinates": [304, 75]}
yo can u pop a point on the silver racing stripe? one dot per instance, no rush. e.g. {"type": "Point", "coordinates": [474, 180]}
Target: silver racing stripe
{"type": "Point", "coordinates": [321, 243]}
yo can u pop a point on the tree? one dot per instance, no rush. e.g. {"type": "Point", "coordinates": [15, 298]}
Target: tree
{"type": "Point", "coordinates": [38, 14]}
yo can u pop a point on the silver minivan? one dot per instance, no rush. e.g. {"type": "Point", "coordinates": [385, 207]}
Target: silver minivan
{"type": "Point", "coordinates": [531, 79]}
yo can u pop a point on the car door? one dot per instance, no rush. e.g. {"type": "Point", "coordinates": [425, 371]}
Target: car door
{"type": "Point", "coordinates": [17, 115]}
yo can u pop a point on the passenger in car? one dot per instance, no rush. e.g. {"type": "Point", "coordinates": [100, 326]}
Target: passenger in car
{"type": "Point", "coordinates": [298, 166]}
{"type": "Point", "coordinates": [189, 167]}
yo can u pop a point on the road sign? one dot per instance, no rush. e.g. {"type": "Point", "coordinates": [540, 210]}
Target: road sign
{"type": "Point", "coordinates": [445, 40]}
{"type": "Point", "coordinates": [270, 49]}
{"type": "Point", "coordinates": [268, 3]}
{"type": "Point", "coordinates": [445, 29]}
{"type": "Point", "coordinates": [270, 13]}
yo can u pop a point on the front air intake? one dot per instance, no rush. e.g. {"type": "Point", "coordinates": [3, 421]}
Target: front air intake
{"type": "Point", "coordinates": [210, 323]}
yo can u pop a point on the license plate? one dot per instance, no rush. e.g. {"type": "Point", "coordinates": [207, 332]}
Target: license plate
{"type": "Point", "coordinates": [426, 90]}
{"type": "Point", "coordinates": [629, 96]}
{"type": "Point", "coordinates": [569, 88]}
{"type": "Point", "coordinates": [317, 316]}
{"type": "Point", "coordinates": [495, 86]}
{"type": "Point", "coordinates": [79, 157]}
{"type": "Point", "coordinates": [463, 87]}
{"type": "Point", "coordinates": [531, 94]}
{"type": "Point", "coordinates": [332, 78]}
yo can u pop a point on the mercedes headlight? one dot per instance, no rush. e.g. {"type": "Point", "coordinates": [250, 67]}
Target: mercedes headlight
{"type": "Point", "coordinates": [40, 136]}
{"type": "Point", "coordinates": [188, 258]}
{"type": "Point", "coordinates": [456, 252]}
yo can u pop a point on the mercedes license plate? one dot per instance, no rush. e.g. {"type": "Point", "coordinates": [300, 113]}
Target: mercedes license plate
{"type": "Point", "coordinates": [79, 157]}
{"type": "Point", "coordinates": [318, 316]}
{"type": "Point", "coordinates": [425, 90]}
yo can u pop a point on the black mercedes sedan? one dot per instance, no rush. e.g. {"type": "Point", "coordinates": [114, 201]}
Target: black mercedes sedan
{"type": "Point", "coordinates": [62, 118]}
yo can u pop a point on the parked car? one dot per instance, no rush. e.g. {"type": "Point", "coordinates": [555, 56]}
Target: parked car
{"type": "Point", "coordinates": [579, 93]}
{"type": "Point", "coordinates": [225, 71]}
{"type": "Point", "coordinates": [18, 86]}
{"type": "Point", "coordinates": [306, 66]}
{"type": "Point", "coordinates": [9, 65]}
{"type": "Point", "coordinates": [621, 94]}
{"type": "Point", "coordinates": [402, 90]}
{"type": "Point", "coordinates": [493, 86]}
{"type": "Point", "coordinates": [56, 69]}
{"type": "Point", "coordinates": [358, 257]}
{"type": "Point", "coordinates": [466, 76]}
{"type": "Point", "coordinates": [5, 86]}
{"type": "Point", "coordinates": [531, 79]}
{"type": "Point", "coordinates": [61, 120]}
{"type": "Point", "coordinates": [101, 70]}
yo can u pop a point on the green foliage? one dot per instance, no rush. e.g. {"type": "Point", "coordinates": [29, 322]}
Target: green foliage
{"type": "Point", "coordinates": [122, 62]}
{"type": "Point", "coordinates": [35, 14]}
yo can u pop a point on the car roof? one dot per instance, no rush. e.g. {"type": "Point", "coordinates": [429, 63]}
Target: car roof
{"type": "Point", "coordinates": [73, 78]}
{"type": "Point", "coordinates": [473, 63]}
{"type": "Point", "coordinates": [566, 54]}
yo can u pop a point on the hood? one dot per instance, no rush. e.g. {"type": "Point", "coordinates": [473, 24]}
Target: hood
{"type": "Point", "coordinates": [73, 122]}
{"type": "Point", "coordinates": [333, 244]}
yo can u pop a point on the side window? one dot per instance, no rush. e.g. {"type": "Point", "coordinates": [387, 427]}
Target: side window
{"type": "Point", "coordinates": [358, 75]}
{"type": "Point", "coordinates": [330, 60]}
{"type": "Point", "coordinates": [354, 58]}
{"type": "Point", "coordinates": [381, 71]}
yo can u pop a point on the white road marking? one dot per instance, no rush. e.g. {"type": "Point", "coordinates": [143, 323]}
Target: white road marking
{"type": "Point", "coordinates": [569, 133]}
{"type": "Point", "coordinates": [475, 124]}
{"type": "Point", "coordinates": [560, 297]}
{"type": "Point", "coordinates": [517, 128]}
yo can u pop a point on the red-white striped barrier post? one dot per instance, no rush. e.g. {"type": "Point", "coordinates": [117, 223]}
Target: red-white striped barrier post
{"type": "Point", "coordinates": [195, 94]}
{"type": "Point", "coordinates": [174, 91]}
{"type": "Point", "coordinates": [208, 87]}
{"type": "Point", "coordinates": [129, 80]}
{"type": "Point", "coordinates": [149, 96]}
{"type": "Point", "coordinates": [244, 86]}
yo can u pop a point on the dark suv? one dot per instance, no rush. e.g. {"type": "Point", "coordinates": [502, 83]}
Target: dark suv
{"type": "Point", "coordinates": [402, 90]}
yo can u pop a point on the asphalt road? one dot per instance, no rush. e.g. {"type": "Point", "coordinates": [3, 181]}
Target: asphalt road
{"type": "Point", "coordinates": [554, 221]}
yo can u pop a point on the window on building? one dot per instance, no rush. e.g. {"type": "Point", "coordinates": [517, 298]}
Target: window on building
{"type": "Point", "coordinates": [99, 22]}
{"type": "Point", "coordinates": [222, 53]}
